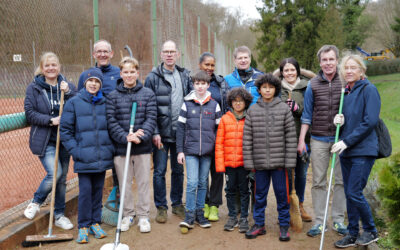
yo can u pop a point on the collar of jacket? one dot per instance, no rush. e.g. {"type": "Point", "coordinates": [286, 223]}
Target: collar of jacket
{"type": "Point", "coordinates": [121, 88]}
{"type": "Point", "coordinates": [192, 97]}
{"type": "Point", "coordinates": [274, 102]}
{"type": "Point", "coordinates": [159, 70]}
{"type": "Point", "coordinates": [87, 97]}
{"type": "Point", "coordinates": [322, 77]}
{"type": "Point", "coordinates": [106, 68]}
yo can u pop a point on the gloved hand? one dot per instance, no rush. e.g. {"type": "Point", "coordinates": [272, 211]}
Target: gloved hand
{"type": "Point", "coordinates": [339, 119]}
{"type": "Point", "coordinates": [292, 105]}
{"type": "Point", "coordinates": [338, 147]}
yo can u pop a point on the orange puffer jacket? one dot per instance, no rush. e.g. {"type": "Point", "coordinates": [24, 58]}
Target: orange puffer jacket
{"type": "Point", "coordinates": [228, 146]}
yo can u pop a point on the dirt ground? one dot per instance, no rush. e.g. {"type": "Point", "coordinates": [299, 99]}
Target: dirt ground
{"type": "Point", "coordinates": [168, 236]}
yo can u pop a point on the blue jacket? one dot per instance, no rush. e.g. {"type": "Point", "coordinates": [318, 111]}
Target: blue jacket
{"type": "Point", "coordinates": [119, 108]}
{"type": "Point", "coordinates": [197, 126]}
{"type": "Point", "coordinates": [110, 77]}
{"type": "Point", "coordinates": [361, 109]}
{"type": "Point", "coordinates": [38, 114]}
{"type": "Point", "coordinates": [234, 81]}
{"type": "Point", "coordinates": [84, 134]}
{"type": "Point", "coordinates": [219, 89]}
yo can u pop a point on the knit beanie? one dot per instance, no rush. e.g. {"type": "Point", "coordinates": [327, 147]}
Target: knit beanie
{"type": "Point", "coordinates": [93, 73]}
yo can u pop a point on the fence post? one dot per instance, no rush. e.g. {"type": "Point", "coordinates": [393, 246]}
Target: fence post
{"type": "Point", "coordinates": [198, 33]}
{"type": "Point", "coordinates": [96, 20]}
{"type": "Point", "coordinates": [154, 27]}
{"type": "Point", "coordinates": [209, 38]}
{"type": "Point", "coordinates": [182, 36]}
{"type": "Point", "coordinates": [91, 52]}
{"type": "Point", "coordinates": [34, 55]}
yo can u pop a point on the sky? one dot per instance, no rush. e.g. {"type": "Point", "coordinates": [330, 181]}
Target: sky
{"type": "Point", "coordinates": [248, 7]}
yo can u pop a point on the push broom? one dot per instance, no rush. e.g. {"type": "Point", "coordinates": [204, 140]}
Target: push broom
{"type": "Point", "coordinates": [332, 170]}
{"type": "Point", "coordinates": [117, 245]}
{"type": "Point", "coordinates": [35, 240]}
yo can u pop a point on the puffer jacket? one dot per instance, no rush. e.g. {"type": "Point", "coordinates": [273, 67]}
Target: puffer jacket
{"type": "Point", "coordinates": [197, 125]}
{"type": "Point", "coordinates": [119, 107]}
{"type": "Point", "coordinates": [162, 89]}
{"type": "Point", "coordinates": [219, 89]}
{"type": "Point", "coordinates": [269, 137]}
{"type": "Point", "coordinates": [84, 134]}
{"type": "Point", "coordinates": [38, 114]}
{"type": "Point", "coordinates": [228, 145]}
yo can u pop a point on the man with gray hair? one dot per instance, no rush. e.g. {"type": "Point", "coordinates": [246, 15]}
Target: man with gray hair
{"type": "Point", "coordinates": [171, 84]}
{"type": "Point", "coordinates": [103, 53]}
{"type": "Point", "coordinates": [321, 104]}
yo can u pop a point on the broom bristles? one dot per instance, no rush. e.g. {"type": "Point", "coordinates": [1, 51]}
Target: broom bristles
{"type": "Point", "coordinates": [295, 216]}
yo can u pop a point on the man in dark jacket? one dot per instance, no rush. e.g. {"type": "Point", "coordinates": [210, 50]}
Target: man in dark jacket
{"type": "Point", "coordinates": [170, 83]}
{"type": "Point", "coordinates": [321, 104]}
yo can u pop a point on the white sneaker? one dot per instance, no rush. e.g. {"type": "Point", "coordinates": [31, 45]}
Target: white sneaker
{"type": "Point", "coordinates": [144, 225]}
{"type": "Point", "coordinates": [31, 210]}
{"type": "Point", "coordinates": [64, 223]}
{"type": "Point", "coordinates": [126, 223]}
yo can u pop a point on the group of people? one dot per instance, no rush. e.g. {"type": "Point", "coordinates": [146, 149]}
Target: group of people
{"type": "Point", "coordinates": [248, 126]}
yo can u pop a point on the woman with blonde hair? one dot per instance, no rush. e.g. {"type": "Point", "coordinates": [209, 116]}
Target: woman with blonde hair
{"type": "Point", "coordinates": [357, 148]}
{"type": "Point", "coordinates": [42, 106]}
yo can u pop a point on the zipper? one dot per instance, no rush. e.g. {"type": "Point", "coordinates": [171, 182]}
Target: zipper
{"type": "Point", "coordinates": [330, 104]}
{"type": "Point", "coordinates": [97, 131]}
{"type": "Point", "coordinates": [201, 118]}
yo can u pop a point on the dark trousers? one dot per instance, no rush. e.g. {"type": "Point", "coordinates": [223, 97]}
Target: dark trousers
{"type": "Point", "coordinates": [280, 183]}
{"type": "Point", "coordinates": [236, 179]}
{"type": "Point", "coordinates": [355, 172]}
{"type": "Point", "coordinates": [214, 192]}
{"type": "Point", "coordinates": [90, 198]}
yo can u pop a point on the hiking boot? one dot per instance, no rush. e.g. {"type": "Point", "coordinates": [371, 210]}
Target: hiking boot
{"type": "Point", "coordinates": [255, 231]}
{"type": "Point", "coordinates": [179, 211]}
{"type": "Point", "coordinates": [31, 210]}
{"type": "Point", "coordinates": [304, 215]}
{"type": "Point", "coordinates": [97, 231]}
{"type": "Point", "coordinates": [243, 225]}
{"type": "Point", "coordinates": [231, 224]}
{"type": "Point", "coordinates": [144, 225]}
{"type": "Point", "coordinates": [188, 222]}
{"type": "Point", "coordinates": [126, 223]}
{"type": "Point", "coordinates": [316, 230]}
{"type": "Point", "coordinates": [367, 238]}
{"type": "Point", "coordinates": [64, 223]}
{"type": "Point", "coordinates": [340, 228]}
{"type": "Point", "coordinates": [206, 210]}
{"type": "Point", "coordinates": [346, 241]}
{"type": "Point", "coordinates": [83, 235]}
{"type": "Point", "coordinates": [203, 222]}
{"type": "Point", "coordinates": [213, 216]}
{"type": "Point", "coordinates": [161, 215]}
{"type": "Point", "coordinates": [284, 234]}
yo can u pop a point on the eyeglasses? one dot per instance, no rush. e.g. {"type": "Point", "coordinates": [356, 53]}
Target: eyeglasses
{"type": "Point", "coordinates": [169, 52]}
{"type": "Point", "coordinates": [105, 52]}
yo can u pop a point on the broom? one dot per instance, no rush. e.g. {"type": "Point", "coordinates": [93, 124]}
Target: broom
{"type": "Point", "coordinates": [295, 216]}
{"type": "Point", "coordinates": [35, 240]}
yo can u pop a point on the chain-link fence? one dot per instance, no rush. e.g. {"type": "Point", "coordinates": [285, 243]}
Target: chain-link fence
{"type": "Point", "coordinates": [29, 28]}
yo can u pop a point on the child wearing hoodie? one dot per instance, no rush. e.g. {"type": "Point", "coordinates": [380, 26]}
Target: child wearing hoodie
{"type": "Point", "coordinates": [197, 125]}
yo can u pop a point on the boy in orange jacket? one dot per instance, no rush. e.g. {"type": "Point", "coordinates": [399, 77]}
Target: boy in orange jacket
{"type": "Point", "coordinates": [229, 157]}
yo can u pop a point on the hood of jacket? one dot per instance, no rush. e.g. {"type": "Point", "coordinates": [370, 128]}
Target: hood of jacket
{"type": "Point", "coordinates": [192, 97]}
{"type": "Point", "coordinates": [121, 88]}
{"type": "Point", "coordinates": [40, 80]}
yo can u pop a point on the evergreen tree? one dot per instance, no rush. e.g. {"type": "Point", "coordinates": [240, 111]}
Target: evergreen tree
{"type": "Point", "coordinates": [396, 28]}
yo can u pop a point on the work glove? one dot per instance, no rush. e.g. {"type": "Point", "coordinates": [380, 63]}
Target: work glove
{"type": "Point", "coordinates": [292, 105]}
{"type": "Point", "coordinates": [339, 119]}
{"type": "Point", "coordinates": [338, 147]}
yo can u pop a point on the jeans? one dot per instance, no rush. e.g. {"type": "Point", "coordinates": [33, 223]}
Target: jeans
{"type": "Point", "coordinates": [356, 171]}
{"type": "Point", "coordinates": [46, 185]}
{"type": "Point", "coordinates": [90, 198]}
{"type": "Point", "coordinates": [160, 159]}
{"type": "Point", "coordinates": [236, 178]}
{"type": "Point", "coordinates": [197, 168]}
{"type": "Point", "coordinates": [300, 177]}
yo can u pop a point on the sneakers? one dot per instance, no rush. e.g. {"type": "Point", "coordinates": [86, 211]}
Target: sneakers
{"type": "Point", "coordinates": [188, 222]}
{"type": "Point", "coordinates": [206, 211]}
{"type": "Point", "coordinates": [213, 216]}
{"type": "Point", "coordinates": [367, 238]}
{"type": "Point", "coordinates": [203, 222]}
{"type": "Point", "coordinates": [83, 235]}
{"type": "Point", "coordinates": [304, 215]}
{"type": "Point", "coordinates": [255, 231]}
{"type": "Point", "coordinates": [179, 211]}
{"type": "Point", "coordinates": [144, 225]}
{"type": "Point", "coordinates": [161, 216]}
{"type": "Point", "coordinates": [231, 224]}
{"type": "Point", "coordinates": [31, 210]}
{"type": "Point", "coordinates": [346, 241]}
{"type": "Point", "coordinates": [284, 234]}
{"type": "Point", "coordinates": [126, 223]}
{"type": "Point", "coordinates": [97, 231]}
{"type": "Point", "coordinates": [316, 230]}
{"type": "Point", "coordinates": [340, 228]}
{"type": "Point", "coordinates": [243, 225]}
{"type": "Point", "coordinates": [64, 223]}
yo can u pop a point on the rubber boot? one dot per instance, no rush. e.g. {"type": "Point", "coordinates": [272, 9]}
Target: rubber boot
{"type": "Point", "coordinates": [304, 215]}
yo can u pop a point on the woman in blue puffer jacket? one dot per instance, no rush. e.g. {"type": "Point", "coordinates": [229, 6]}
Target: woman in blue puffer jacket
{"type": "Point", "coordinates": [84, 134]}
